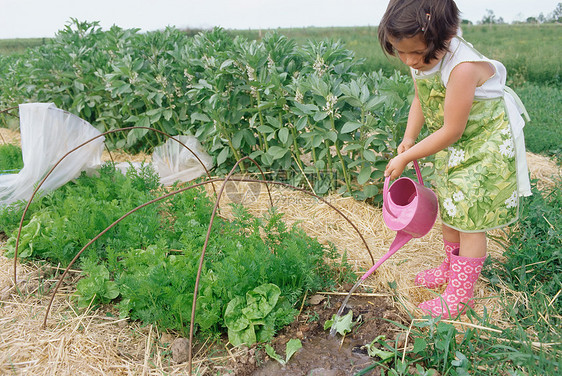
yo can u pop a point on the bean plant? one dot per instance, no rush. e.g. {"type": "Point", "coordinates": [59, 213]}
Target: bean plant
{"type": "Point", "coordinates": [299, 109]}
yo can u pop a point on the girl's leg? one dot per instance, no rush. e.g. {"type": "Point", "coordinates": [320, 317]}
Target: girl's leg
{"type": "Point", "coordinates": [435, 277]}
{"type": "Point", "coordinates": [450, 234]}
{"type": "Point", "coordinates": [465, 268]}
{"type": "Point", "coordinates": [473, 244]}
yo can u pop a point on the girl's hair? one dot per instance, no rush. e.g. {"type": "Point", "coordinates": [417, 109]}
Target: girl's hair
{"type": "Point", "coordinates": [438, 20]}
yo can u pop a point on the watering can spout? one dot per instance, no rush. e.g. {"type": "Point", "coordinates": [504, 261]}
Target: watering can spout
{"type": "Point", "coordinates": [401, 239]}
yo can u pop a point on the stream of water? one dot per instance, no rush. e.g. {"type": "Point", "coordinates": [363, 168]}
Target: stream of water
{"type": "Point", "coordinates": [344, 303]}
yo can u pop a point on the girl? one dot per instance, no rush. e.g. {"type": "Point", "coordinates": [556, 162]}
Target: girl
{"type": "Point", "coordinates": [476, 136]}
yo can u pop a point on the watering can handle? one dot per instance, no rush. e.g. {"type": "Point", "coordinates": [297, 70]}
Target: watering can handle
{"type": "Point", "coordinates": [387, 182]}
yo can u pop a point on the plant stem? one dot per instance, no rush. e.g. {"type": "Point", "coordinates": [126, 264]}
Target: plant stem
{"type": "Point", "coordinates": [338, 151]}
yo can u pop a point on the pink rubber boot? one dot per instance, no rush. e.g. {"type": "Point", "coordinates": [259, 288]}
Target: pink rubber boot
{"type": "Point", "coordinates": [435, 277]}
{"type": "Point", "coordinates": [463, 273]}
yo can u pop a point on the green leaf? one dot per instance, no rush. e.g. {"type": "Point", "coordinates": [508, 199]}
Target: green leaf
{"type": "Point", "coordinates": [266, 129]}
{"type": "Point", "coordinates": [364, 175]}
{"type": "Point", "coordinates": [305, 109]}
{"type": "Point", "coordinates": [283, 135]}
{"type": "Point", "coordinates": [301, 123]}
{"type": "Point", "coordinates": [370, 190]}
{"type": "Point", "coordinates": [370, 155]}
{"type": "Point", "coordinates": [111, 290]}
{"type": "Point", "coordinates": [237, 139]}
{"type": "Point", "coordinates": [277, 152]}
{"type": "Point", "coordinates": [274, 121]}
{"type": "Point", "coordinates": [246, 336]}
{"type": "Point", "coordinates": [343, 324]}
{"type": "Point", "coordinates": [332, 136]}
{"type": "Point", "coordinates": [350, 126]}
{"type": "Point", "coordinates": [223, 155]}
{"type": "Point", "coordinates": [200, 117]}
{"type": "Point", "coordinates": [293, 346]}
{"type": "Point", "coordinates": [261, 300]}
{"type": "Point", "coordinates": [374, 351]}
{"type": "Point", "coordinates": [234, 319]}
{"type": "Point", "coordinates": [271, 352]}
{"type": "Point", "coordinates": [420, 344]}
{"type": "Point", "coordinates": [320, 115]}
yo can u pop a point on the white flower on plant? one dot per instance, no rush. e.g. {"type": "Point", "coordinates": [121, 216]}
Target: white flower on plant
{"type": "Point", "coordinates": [298, 96]}
{"type": "Point", "coordinates": [511, 202]}
{"type": "Point", "coordinates": [187, 75]}
{"type": "Point", "coordinates": [507, 149]}
{"type": "Point", "coordinates": [251, 73]}
{"type": "Point", "coordinates": [506, 131]}
{"type": "Point", "coordinates": [331, 101]}
{"type": "Point", "coordinates": [161, 80]}
{"type": "Point", "coordinates": [450, 207]}
{"type": "Point", "coordinates": [270, 62]}
{"type": "Point", "coordinates": [456, 156]}
{"type": "Point", "coordinates": [458, 196]}
{"type": "Point", "coordinates": [320, 66]}
{"type": "Point", "coordinates": [134, 78]}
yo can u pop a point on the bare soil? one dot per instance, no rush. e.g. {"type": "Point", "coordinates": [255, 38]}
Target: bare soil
{"type": "Point", "coordinates": [322, 354]}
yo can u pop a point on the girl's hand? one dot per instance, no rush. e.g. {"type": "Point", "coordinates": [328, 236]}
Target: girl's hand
{"type": "Point", "coordinates": [395, 167]}
{"type": "Point", "coordinates": [405, 145]}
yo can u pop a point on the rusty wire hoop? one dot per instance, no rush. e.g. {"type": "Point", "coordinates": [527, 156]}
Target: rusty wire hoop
{"type": "Point", "coordinates": [210, 181]}
{"type": "Point", "coordinates": [71, 151]}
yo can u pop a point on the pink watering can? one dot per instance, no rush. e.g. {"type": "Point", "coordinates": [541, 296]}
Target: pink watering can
{"type": "Point", "coordinates": [409, 208]}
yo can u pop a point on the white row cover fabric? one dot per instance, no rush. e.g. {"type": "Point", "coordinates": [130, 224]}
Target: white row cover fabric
{"type": "Point", "coordinates": [174, 163]}
{"type": "Point", "coordinates": [47, 134]}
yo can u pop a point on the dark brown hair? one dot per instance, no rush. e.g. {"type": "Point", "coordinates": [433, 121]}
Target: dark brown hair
{"type": "Point", "coordinates": [438, 20]}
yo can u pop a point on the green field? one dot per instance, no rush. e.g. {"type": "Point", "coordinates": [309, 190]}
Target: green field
{"type": "Point", "coordinates": [530, 52]}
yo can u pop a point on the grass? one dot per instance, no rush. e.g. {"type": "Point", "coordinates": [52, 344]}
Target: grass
{"type": "Point", "coordinates": [514, 45]}
{"type": "Point", "coordinates": [542, 133]}
{"type": "Point", "coordinates": [19, 45]}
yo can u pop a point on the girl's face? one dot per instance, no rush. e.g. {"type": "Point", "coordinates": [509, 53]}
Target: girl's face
{"type": "Point", "coordinates": [412, 50]}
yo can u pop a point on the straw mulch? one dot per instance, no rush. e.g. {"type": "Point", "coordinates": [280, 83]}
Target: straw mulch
{"type": "Point", "coordinates": [94, 342]}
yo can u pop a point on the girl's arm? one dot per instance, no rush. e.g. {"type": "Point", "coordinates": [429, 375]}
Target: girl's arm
{"type": "Point", "coordinates": [463, 81]}
{"type": "Point", "coordinates": [415, 123]}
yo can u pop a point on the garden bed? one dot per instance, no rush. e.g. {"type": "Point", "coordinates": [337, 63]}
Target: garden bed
{"type": "Point", "coordinates": [98, 341]}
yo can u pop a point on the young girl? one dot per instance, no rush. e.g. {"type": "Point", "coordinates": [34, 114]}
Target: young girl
{"type": "Point", "coordinates": [476, 137]}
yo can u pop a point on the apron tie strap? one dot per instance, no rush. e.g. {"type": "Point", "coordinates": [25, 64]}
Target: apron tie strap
{"type": "Point", "coordinates": [518, 102]}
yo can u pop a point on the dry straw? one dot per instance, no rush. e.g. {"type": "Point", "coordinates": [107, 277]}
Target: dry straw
{"type": "Point", "coordinates": [95, 342]}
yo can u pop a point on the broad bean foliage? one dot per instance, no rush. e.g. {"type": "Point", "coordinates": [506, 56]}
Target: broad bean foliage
{"type": "Point", "coordinates": [303, 111]}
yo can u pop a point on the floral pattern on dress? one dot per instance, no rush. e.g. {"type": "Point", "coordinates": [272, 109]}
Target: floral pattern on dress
{"type": "Point", "coordinates": [476, 179]}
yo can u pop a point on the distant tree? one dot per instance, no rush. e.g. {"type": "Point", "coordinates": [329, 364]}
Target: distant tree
{"type": "Point", "coordinates": [466, 22]}
{"type": "Point", "coordinates": [532, 20]}
{"type": "Point", "coordinates": [557, 14]}
{"type": "Point", "coordinates": [489, 17]}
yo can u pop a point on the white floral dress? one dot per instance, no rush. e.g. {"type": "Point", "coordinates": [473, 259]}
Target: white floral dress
{"type": "Point", "coordinates": [479, 178]}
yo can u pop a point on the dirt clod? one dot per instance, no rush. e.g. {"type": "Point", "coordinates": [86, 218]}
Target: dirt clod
{"type": "Point", "coordinates": [180, 350]}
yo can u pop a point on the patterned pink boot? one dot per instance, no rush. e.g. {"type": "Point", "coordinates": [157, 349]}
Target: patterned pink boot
{"type": "Point", "coordinates": [463, 273]}
{"type": "Point", "coordinates": [435, 277]}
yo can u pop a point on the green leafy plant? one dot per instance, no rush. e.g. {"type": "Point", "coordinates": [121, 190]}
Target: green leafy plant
{"type": "Point", "coordinates": [375, 351]}
{"type": "Point", "coordinates": [252, 319]}
{"type": "Point", "coordinates": [11, 158]}
{"type": "Point", "coordinates": [343, 324]}
{"type": "Point", "coordinates": [272, 99]}
{"type": "Point", "coordinates": [293, 345]}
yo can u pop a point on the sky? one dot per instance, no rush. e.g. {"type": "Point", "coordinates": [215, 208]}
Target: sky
{"type": "Point", "coordinates": [43, 18]}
